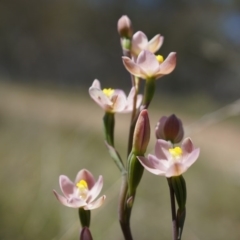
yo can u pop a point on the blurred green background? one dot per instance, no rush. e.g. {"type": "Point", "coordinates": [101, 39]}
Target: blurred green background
{"type": "Point", "coordinates": [51, 51]}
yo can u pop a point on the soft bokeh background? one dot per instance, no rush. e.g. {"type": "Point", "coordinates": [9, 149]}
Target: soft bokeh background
{"type": "Point", "coordinates": [50, 52]}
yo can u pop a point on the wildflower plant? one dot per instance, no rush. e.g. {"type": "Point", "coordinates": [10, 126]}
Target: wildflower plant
{"type": "Point", "coordinates": [172, 157]}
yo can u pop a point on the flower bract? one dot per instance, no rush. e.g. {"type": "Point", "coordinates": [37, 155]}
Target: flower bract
{"type": "Point", "coordinates": [82, 192]}
{"type": "Point", "coordinates": [170, 161]}
{"type": "Point", "coordinates": [113, 100]}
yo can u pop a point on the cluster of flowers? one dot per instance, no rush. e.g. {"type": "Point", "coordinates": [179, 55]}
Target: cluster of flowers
{"type": "Point", "coordinates": [169, 160]}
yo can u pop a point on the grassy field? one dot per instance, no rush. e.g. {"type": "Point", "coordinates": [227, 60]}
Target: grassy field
{"type": "Point", "coordinates": [45, 133]}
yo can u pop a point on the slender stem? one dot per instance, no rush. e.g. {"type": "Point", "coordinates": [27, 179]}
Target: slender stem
{"type": "Point", "coordinates": [85, 217]}
{"type": "Point", "coordinates": [123, 214]}
{"type": "Point", "coordinates": [173, 208]}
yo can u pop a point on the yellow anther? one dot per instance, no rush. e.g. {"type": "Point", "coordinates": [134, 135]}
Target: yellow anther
{"type": "Point", "coordinates": [160, 58]}
{"type": "Point", "coordinates": [82, 185]}
{"type": "Point", "coordinates": [108, 91]}
{"type": "Point", "coordinates": [176, 152]}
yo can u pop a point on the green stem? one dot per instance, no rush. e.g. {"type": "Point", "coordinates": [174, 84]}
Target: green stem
{"type": "Point", "coordinates": [173, 209]}
{"type": "Point", "coordinates": [148, 92]}
{"type": "Point", "coordinates": [123, 214]}
{"type": "Point", "coordinates": [85, 217]}
{"type": "Point", "coordinates": [109, 123]}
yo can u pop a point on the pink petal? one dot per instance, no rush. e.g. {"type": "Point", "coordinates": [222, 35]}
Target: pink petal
{"type": "Point", "coordinates": [96, 84]}
{"type": "Point", "coordinates": [74, 203]}
{"type": "Point", "coordinates": [84, 174]}
{"type": "Point", "coordinates": [139, 42]}
{"type": "Point", "coordinates": [119, 101]}
{"type": "Point", "coordinates": [132, 67]}
{"type": "Point", "coordinates": [187, 145]}
{"type": "Point", "coordinates": [96, 189]}
{"type": "Point", "coordinates": [66, 186]}
{"type": "Point", "coordinates": [168, 65]}
{"type": "Point", "coordinates": [95, 204]}
{"type": "Point", "coordinates": [99, 97]}
{"type": "Point", "coordinates": [193, 156]}
{"type": "Point", "coordinates": [160, 164]}
{"type": "Point", "coordinates": [149, 166]}
{"type": "Point", "coordinates": [61, 199]}
{"type": "Point", "coordinates": [162, 149]}
{"type": "Point", "coordinates": [176, 169]}
{"type": "Point", "coordinates": [155, 43]}
{"type": "Point", "coordinates": [148, 63]}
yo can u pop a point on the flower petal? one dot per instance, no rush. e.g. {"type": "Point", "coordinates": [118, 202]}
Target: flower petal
{"type": "Point", "coordinates": [162, 149]}
{"type": "Point", "coordinates": [84, 174]}
{"type": "Point", "coordinates": [72, 202]}
{"type": "Point", "coordinates": [66, 186]}
{"type": "Point", "coordinates": [61, 199]}
{"type": "Point", "coordinates": [100, 98]}
{"type": "Point", "coordinates": [155, 43]}
{"type": "Point", "coordinates": [148, 63]}
{"type": "Point", "coordinates": [168, 65]}
{"type": "Point", "coordinates": [176, 169]}
{"type": "Point", "coordinates": [187, 145]}
{"type": "Point", "coordinates": [96, 189]}
{"type": "Point", "coordinates": [96, 84]}
{"type": "Point", "coordinates": [132, 67]}
{"type": "Point", "coordinates": [130, 98]}
{"type": "Point", "coordinates": [119, 101]}
{"type": "Point", "coordinates": [160, 164]}
{"type": "Point", "coordinates": [139, 43]}
{"type": "Point", "coordinates": [149, 166]}
{"type": "Point", "coordinates": [193, 156]}
{"type": "Point", "coordinates": [95, 204]}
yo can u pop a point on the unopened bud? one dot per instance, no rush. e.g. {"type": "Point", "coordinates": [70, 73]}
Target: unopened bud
{"type": "Point", "coordinates": [141, 134]}
{"type": "Point", "coordinates": [124, 27]}
{"type": "Point", "coordinates": [85, 234]}
{"type": "Point", "coordinates": [170, 129]}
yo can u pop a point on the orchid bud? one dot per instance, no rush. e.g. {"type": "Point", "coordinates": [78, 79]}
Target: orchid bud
{"type": "Point", "coordinates": [141, 138]}
{"type": "Point", "coordinates": [85, 234]}
{"type": "Point", "coordinates": [124, 27]}
{"type": "Point", "coordinates": [170, 129]}
{"type": "Point", "coordinates": [141, 134]}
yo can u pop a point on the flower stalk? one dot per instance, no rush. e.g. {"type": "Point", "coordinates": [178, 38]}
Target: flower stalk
{"type": "Point", "coordinates": [85, 217]}
{"type": "Point", "coordinates": [173, 211]}
{"type": "Point", "coordinates": [109, 123]}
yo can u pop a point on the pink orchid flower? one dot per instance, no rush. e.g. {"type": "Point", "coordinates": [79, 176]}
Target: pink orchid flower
{"type": "Point", "coordinates": [169, 161]}
{"type": "Point", "coordinates": [140, 42]}
{"type": "Point", "coordinates": [81, 193]}
{"type": "Point", "coordinates": [147, 65]}
{"type": "Point", "coordinates": [113, 100]}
